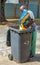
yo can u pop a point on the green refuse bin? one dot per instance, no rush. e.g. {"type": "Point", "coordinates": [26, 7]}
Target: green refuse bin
{"type": "Point", "coordinates": [33, 43]}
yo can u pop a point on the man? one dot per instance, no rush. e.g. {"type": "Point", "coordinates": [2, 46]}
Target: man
{"type": "Point", "coordinates": [34, 34]}
{"type": "Point", "coordinates": [33, 42]}
{"type": "Point", "coordinates": [32, 26]}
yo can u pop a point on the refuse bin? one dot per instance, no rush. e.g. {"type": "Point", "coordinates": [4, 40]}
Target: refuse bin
{"type": "Point", "coordinates": [20, 44]}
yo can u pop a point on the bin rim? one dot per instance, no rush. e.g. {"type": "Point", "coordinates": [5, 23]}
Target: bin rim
{"type": "Point", "coordinates": [21, 31]}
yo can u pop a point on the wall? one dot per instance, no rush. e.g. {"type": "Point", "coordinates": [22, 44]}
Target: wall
{"type": "Point", "coordinates": [9, 10]}
{"type": "Point", "coordinates": [34, 8]}
{"type": "Point", "coordinates": [33, 1]}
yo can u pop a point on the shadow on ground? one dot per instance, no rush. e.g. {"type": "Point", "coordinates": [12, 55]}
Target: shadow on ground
{"type": "Point", "coordinates": [36, 58]}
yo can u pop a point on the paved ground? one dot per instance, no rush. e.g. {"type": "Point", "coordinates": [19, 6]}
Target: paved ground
{"type": "Point", "coordinates": [4, 50]}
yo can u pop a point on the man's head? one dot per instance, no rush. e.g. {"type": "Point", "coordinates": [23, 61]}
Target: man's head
{"type": "Point", "coordinates": [22, 8]}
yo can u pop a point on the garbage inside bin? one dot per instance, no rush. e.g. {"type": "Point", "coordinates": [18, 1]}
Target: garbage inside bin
{"type": "Point", "coordinates": [20, 44]}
